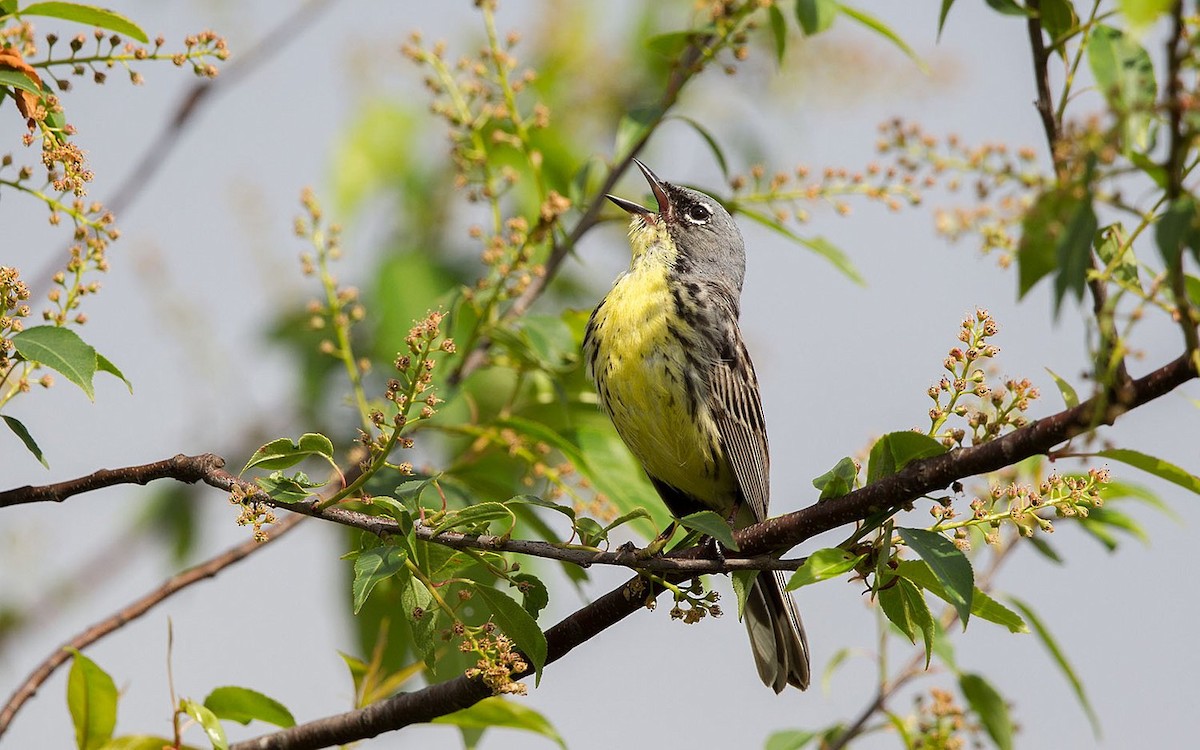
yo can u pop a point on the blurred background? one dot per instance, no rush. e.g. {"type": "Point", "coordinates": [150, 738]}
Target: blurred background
{"type": "Point", "coordinates": [191, 312]}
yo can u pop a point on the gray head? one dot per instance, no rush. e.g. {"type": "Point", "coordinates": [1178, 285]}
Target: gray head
{"type": "Point", "coordinates": [706, 239]}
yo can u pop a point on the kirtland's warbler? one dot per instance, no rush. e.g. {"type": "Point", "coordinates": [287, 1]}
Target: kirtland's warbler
{"type": "Point", "coordinates": [667, 357]}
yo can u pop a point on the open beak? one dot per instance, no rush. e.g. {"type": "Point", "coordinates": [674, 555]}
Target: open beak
{"type": "Point", "coordinates": [660, 195]}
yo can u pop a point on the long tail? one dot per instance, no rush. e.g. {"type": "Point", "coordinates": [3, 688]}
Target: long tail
{"type": "Point", "coordinates": [776, 634]}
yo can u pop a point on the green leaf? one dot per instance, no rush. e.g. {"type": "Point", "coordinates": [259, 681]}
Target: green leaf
{"type": "Point", "coordinates": [516, 624]}
{"type": "Point", "coordinates": [1142, 13]}
{"type": "Point", "coordinates": [1069, 396]}
{"type": "Point", "coordinates": [208, 722]}
{"type": "Point", "coordinates": [1058, 18]}
{"type": "Point", "coordinates": [709, 139]}
{"type": "Point", "coordinates": [671, 44]}
{"type": "Point", "coordinates": [1192, 285]}
{"type": "Point", "coordinates": [790, 739]}
{"type": "Point", "coordinates": [1045, 549]}
{"type": "Point", "coordinates": [19, 430]}
{"type": "Point", "coordinates": [1007, 7]}
{"type": "Point", "coordinates": [244, 705]}
{"type": "Point", "coordinates": [816, 16]}
{"type": "Point", "coordinates": [982, 605]}
{"type": "Point", "coordinates": [1124, 73]}
{"type": "Point", "coordinates": [19, 80]}
{"type": "Point", "coordinates": [566, 510]}
{"type": "Point", "coordinates": [1056, 235]}
{"type": "Point", "coordinates": [948, 563]}
{"type": "Point", "coordinates": [473, 515]}
{"type": "Point", "coordinates": [1177, 229]}
{"type": "Point", "coordinates": [945, 11]}
{"type": "Point", "coordinates": [779, 31]}
{"type": "Point", "coordinates": [372, 566]}
{"type": "Point", "coordinates": [294, 489]}
{"type": "Point", "coordinates": [104, 365]}
{"type": "Point", "coordinates": [60, 349]}
{"type": "Point", "coordinates": [633, 129]}
{"type": "Point", "coordinates": [414, 596]}
{"type": "Point", "coordinates": [1111, 242]}
{"type": "Point", "coordinates": [990, 707]}
{"type": "Point", "coordinates": [885, 31]}
{"type": "Point", "coordinates": [1156, 466]}
{"type": "Point", "coordinates": [985, 607]}
{"type": "Point", "coordinates": [1048, 640]}
{"type": "Point", "coordinates": [837, 481]}
{"type": "Point", "coordinates": [604, 460]}
{"type": "Point", "coordinates": [710, 524]}
{"type": "Point", "coordinates": [743, 582]}
{"type": "Point", "coordinates": [534, 594]}
{"type": "Point", "coordinates": [138, 742]}
{"type": "Point", "coordinates": [895, 450]}
{"type": "Point", "coordinates": [1118, 490]}
{"type": "Point", "coordinates": [839, 657]}
{"type": "Point", "coordinates": [624, 518]}
{"type": "Point", "coordinates": [1074, 253]}
{"type": "Point", "coordinates": [904, 605]}
{"type": "Point", "coordinates": [282, 453]}
{"type": "Point", "coordinates": [500, 712]}
{"type": "Point", "coordinates": [823, 565]}
{"type": "Point", "coordinates": [89, 16]}
{"type": "Point", "coordinates": [1111, 518]}
{"type": "Point", "coordinates": [92, 701]}
{"type": "Point", "coordinates": [818, 245]}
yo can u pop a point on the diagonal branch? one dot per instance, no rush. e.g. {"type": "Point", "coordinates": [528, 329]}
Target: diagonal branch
{"type": "Point", "coordinates": [29, 687]}
{"type": "Point", "coordinates": [895, 491]}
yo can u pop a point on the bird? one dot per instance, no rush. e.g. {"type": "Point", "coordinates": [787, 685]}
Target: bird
{"type": "Point", "coordinates": [665, 353]}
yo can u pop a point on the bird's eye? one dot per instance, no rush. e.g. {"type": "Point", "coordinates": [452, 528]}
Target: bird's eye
{"type": "Point", "coordinates": [698, 213]}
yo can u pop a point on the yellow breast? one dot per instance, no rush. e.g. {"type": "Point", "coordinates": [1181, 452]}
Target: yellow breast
{"type": "Point", "coordinates": [642, 373]}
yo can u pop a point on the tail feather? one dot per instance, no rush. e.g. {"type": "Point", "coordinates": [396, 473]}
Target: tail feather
{"type": "Point", "coordinates": [776, 634]}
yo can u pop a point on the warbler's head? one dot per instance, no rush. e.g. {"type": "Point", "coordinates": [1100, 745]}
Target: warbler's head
{"type": "Point", "coordinates": [704, 237]}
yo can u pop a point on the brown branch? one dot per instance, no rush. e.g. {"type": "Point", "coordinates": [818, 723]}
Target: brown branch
{"type": "Point", "coordinates": [209, 469]}
{"type": "Point", "coordinates": [183, 468]}
{"type": "Point", "coordinates": [1042, 77]}
{"type": "Point", "coordinates": [683, 72]}
{"type": "Point", "coordinates": [29, 687]}
{"type": "Point", "coordinates": [895, 491]}
{"type": "Point", "coordinates": [1173, 166]}
{"type": "Point", "coordinates": [1053, 130]}
{"type": "Point", "coordinates": [784, 532]}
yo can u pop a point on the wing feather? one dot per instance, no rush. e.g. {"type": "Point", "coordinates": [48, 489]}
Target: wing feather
{"type": "Point", "coordinates": [739, 415]}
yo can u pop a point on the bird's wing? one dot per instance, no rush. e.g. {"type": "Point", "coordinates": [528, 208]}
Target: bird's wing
{"type": "Point", "coordinates": [739, 416]}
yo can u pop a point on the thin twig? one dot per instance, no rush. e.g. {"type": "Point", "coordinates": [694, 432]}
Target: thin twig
{"type": "Point", "coordinates": [172, 585]}
{"type": "Point", "coordinates": [154, 156]}
{"type": "Point", "coordinates": [682, 73]}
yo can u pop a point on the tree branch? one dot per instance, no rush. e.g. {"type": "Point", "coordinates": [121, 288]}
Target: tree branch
{"type": "Point", "coordinates": [188, 469]}
{"type": "Point", "coordinates": [29, 687]}
{"type": "Point", "coordinates": [208, 468]}
{"type": "Point", "coordinates": [1173, 166]}
{"type": "Point", "coordinates": [911, 482]}
{"type": "Point", "coordinates": [1053, 130]}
